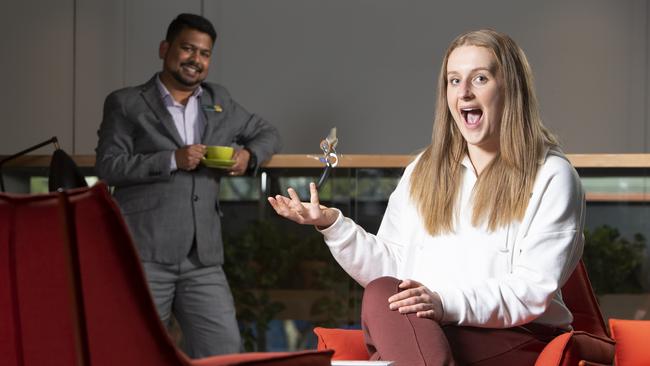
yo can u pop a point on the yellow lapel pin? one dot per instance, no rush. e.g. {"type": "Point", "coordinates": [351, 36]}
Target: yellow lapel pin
{"type": "Point", "coordinates": [213, 108]}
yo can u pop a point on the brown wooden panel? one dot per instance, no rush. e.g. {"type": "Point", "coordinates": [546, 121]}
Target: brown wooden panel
{"type": "Point", "coordinates": [369, 161]}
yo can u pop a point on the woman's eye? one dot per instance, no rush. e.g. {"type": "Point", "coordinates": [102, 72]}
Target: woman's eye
{"type": "Point", "coordinates": [480, 79]}
{"type": "Point", "coordinates": [454, 81]}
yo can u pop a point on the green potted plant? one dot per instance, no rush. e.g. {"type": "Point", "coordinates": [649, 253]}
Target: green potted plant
{"type": "Point", "coordinates": [613, 262]}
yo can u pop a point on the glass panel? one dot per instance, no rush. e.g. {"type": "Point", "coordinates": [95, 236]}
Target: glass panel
{"type": "Point", "coordinates": [38, 184]}
{"type": "Point", "coordinates": [616, 248]}
{"type": "Point", "coordinates": [239, 189]}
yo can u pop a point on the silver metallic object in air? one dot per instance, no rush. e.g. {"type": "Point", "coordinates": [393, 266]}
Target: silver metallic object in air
{"type": "Point", "coordinates": [330, 157]}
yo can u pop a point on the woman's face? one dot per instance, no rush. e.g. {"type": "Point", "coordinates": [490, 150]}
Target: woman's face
{"type": "Point", "coordinates": [475, 96]}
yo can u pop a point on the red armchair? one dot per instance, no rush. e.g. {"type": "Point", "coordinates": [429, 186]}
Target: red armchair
{"type": "Point", "coordinates": [588, 341]}
{"type": "Point", "coordinates": [72, 291]}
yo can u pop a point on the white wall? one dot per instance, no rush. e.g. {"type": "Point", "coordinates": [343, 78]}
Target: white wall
{"type": "Point", "coordinates": [366, 66]}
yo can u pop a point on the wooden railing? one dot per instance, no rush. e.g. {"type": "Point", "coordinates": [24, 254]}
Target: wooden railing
{"type": "Point", "coordinates": [369, 161]}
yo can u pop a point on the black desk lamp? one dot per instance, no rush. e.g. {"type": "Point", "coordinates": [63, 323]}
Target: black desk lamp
{"type": "Point", "coordinates": [63, 172]}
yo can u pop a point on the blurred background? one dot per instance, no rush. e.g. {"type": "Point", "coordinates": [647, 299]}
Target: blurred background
{"type": "Point", "coordinates": [366, 66]}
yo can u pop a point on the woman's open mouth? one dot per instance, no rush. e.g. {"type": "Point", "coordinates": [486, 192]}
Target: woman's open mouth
{"type": "Point", "coordinates": [471, 116]}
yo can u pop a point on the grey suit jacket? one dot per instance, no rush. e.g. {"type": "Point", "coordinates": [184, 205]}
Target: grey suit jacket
{"type": "Point", "coordinates": [166, 210]}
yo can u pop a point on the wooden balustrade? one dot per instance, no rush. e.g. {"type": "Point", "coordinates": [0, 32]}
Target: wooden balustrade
{"type": "Point", "coordinates": [368, 161]}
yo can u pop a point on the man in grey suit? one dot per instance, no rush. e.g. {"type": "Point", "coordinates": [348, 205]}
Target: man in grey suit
{"type": "Point", "coordinates": [151, 141]}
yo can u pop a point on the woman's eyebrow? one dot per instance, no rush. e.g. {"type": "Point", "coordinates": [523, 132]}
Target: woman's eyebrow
{"type": "Point", "coordinates": [488, 69]}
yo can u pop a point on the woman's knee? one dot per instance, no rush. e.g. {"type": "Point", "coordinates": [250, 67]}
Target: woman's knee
{"type": "Point", "coordinates": [380, 289]}
{"type": "Point", "coordinates": [383, 282]}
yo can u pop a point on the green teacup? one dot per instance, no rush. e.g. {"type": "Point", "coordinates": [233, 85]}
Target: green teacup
{"type": "Point", "coordinates": [219, 152]}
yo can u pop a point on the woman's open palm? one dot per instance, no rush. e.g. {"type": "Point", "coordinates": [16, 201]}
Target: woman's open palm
{"type": "Point", "coordinates": [306, 213]}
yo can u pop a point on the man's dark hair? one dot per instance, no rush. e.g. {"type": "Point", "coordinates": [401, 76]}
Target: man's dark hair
{"type": "Point", "coordinates": [192, 21]}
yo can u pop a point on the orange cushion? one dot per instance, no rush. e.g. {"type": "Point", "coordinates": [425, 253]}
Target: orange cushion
{"type": "Point", "coordinates": [348, 344]}
{"type": "Point", "coordinates": [631, 338]}
{"type": "Point", "coordinates": [569, 348]}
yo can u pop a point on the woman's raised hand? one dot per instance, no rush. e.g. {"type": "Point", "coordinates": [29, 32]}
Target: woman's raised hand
{"type": "Point", "coordinates": [306, 213]}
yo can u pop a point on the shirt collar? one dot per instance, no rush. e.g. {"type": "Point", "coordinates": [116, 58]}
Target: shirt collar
{"type": "Point", "coordinates": [166, 95]}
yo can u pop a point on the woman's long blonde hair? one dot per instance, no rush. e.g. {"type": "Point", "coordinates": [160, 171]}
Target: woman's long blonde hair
{"type": "Point", "coordinates": [503, 189]}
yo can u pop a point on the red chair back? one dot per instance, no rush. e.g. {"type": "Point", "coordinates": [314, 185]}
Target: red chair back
{"type": "Point", "coordinates": [72, 291]}
{"type": "Point", "coordinates": [35, 301]}
{"type": "Point", "coordinates": [122, 325]}
{"type": "Point", "coordinates": [579, 297]}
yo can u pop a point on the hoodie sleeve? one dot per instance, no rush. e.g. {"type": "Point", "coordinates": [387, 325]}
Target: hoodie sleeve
{"type": "Point", "coordinates": [365, 256]}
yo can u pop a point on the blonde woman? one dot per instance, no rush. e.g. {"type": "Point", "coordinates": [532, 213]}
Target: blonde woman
{"type": "Point", "coordinates": [482, 231]}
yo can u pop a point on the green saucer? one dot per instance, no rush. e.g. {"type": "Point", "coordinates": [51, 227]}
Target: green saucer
{"type": "Point", "coordinates": [218, 163]}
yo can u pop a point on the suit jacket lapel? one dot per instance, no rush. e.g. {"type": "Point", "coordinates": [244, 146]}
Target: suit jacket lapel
{"type": "Point", "coordinates": [151, 95]}
{"type": "Point", "coordinates": [207, 103]}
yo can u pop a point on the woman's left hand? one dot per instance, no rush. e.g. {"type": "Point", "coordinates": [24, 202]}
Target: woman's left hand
{"type": "Point", "coordinates": [417, 298]}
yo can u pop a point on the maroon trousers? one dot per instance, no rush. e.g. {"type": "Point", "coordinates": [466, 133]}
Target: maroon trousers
{"type": "Point", "coordinates": [412, 341]}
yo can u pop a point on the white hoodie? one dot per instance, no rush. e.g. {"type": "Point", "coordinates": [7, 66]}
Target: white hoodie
{"type": "Point", "coordinates": [498, 279]}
